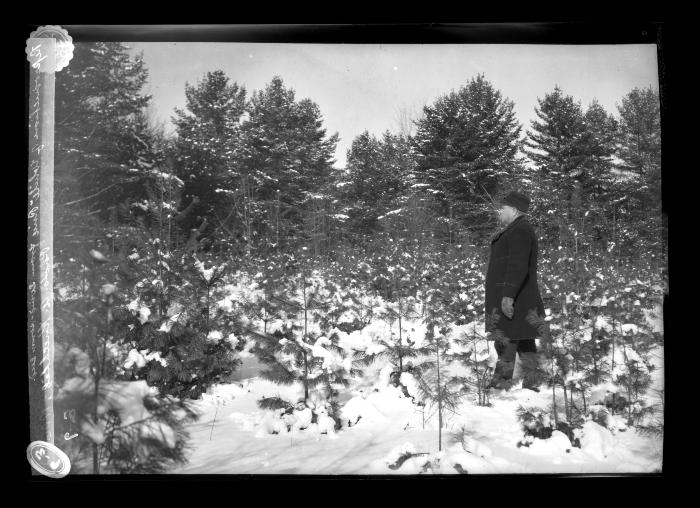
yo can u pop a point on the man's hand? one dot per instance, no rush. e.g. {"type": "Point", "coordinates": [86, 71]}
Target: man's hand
{"type": "Point", "coordinates": [507, 307]}
{"type": "Point", "coordinates": [498, 338]}
{"type": "Point", "coordinates": [546, 344]}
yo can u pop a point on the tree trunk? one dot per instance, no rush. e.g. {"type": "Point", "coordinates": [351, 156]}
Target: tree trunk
{"type": "Point", "coordinates": [554, 395]}
{"type": "Point", "coordinates": [208, 305]}
{"type": "Point", "coordinates": [612, 362]}
{"type": "Point", "coordinates": [571, 403]}
{"type": "Point", "coordinates": [95, 446]}
{"type": "Point", "coordinates": [306, 377]}
{"type": "Point", "coordinates": [478, 378]}
{"type": "Point", "coordinates": [450, 225]}
{"type": "Point", "coordinates": [615, 233]}
{"type": "Point", "coordinates": [277, 225]}
{"type": "Point", "coordinates": [439, 396]}
{"type": "Point", "coordinates": [400, 339]}
{"type": "Point", "coordinates": [306, 363]}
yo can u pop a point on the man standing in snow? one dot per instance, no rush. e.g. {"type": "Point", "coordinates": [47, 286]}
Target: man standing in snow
{"type": "Point", "coordinates": [513, 302]}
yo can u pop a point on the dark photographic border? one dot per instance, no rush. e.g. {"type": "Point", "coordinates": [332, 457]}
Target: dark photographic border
{"type": "Point", "coordinates": [652, 32]}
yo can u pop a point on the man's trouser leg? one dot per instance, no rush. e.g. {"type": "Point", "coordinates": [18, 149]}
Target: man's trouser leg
{"type": "Point", "coordinates": [506, 361]}
{"type": "Point", "coordinates": [530, 364]}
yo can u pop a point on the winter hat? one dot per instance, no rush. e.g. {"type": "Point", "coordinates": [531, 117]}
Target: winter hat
{"type": "Point", "coordinates": [517, 200]}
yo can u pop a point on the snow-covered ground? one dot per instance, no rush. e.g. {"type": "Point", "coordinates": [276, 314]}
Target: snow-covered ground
{"type": "Point", "coordinates": [237, 442]}
{"type": "Point", "coordinates": [235, 436]}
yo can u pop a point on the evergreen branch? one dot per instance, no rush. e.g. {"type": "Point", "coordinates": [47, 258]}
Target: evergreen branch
{"type": "Point", "coordinates": [88, 197]}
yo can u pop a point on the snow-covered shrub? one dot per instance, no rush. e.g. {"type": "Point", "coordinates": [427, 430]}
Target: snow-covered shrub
{"type": "Point", "coordinates": [600, 328]}
{"type": "Point", "coordinates": [282, 417]}
{"type": "Point", "coordinates": [272, 423]}
{"type": "Point", "coordinates": [273, 403]}
{"type": "Point", "coordinates": [326, 423]}
{"type": "Point", "coordinates": [196, 340]}
{"type": "Point", "coordinates": [436, 388]}
{"type": "Point", "coordinates": [535, 422]}
{"type": "Point", "coordinates": [603, 417]}
{"type": "Point", "coordinates": [399, 455]}
{"type": "Point", "coordinates": [540, 424]}
{"type": "Point", "coordinates": [472, 349]}
{"type": "Point", "coordinates": [144, 311]}
{"type": "Point", "coordinates": [302, 349]}
{"type": "Point", "coordinates": [401, 346]}
{"type": "Point", "coordinates": [136, 429]}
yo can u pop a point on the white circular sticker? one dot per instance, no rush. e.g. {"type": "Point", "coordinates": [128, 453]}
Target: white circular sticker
{"type": "Point", "coordinates": [48, 459]}
{"type": "Point", "coordinates": [63, 49]}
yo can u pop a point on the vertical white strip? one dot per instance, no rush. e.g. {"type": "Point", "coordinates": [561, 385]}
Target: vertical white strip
{"type": "Point", "coordinates": [48, 90]}
{"type": "Point", "coordinates": [36, 413]}
{"type": "Point", "coordinates": [40, 233]}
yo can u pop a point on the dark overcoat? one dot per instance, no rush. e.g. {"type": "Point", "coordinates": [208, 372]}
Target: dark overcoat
{"type": "Point", "coordinates": [512, 272]}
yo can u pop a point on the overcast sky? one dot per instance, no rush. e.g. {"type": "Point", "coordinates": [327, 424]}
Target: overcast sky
{"type": "Point", "coordinates": [364, 86]}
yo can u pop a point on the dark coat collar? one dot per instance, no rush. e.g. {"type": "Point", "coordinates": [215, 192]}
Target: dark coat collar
{"type": "Point", "coordinates": [498, 234]}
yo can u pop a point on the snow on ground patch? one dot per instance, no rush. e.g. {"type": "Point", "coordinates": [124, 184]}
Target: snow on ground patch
{"type": "Point", "coordinates": [596, 440]}
{"type": "Point", "coordinates": [556, 445]}
{"type": "Point", "coordinates": [326, 424]}
{"type": "Point", "coordinates": [471, 445]}
{"type": "Point", "coordinates": [398, 451]}
{"type": "Point", "coordinates": [224, 391]}
{"type": "Point", "coordinates": [465, 462]}
{"type": "Point", "coordinates": [600, 392]}
{"type": "Point", "coordinates": [410, 383]}
{"type": "Point", "coordinates": [302, 418]}
{"type": "Point", "coordinates": [271, 423]}
{"type": "Point", "coordinates": [405, 458]}
{"type": "Point", "coordinates": [359, 408]}
{"type": "Point", "coordinates": [243, 421]}
{"type": "Point", "coordinates": [378, 421]}
{"type": "Point", "coordinates": [125, 398]}
{"type": "Point", "coordinates": [654, 318]}
{"type": "Point", "coordinates": [242, 442]}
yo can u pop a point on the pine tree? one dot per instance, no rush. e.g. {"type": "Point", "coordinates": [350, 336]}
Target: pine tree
{"type": "Point", "coordinates": [300, 351]}
{"type": "Point", "coordinates": [436, 387]}
{"type": "Point", "coordinates": [364, 169]}
{"type": "Point", "coordinates": [639, 193]}
{"type": "Point", "coordinates": [600, 141]}
{"type": "Point", "coordinates": [640, 125]}
{"type": "Point", "coordinates": [400, 350]}
{"type": "Point", "coordinates": [145, 312]}
{"type": "Point", "coordinates": [206, 152]}
{"type": "Point", "coordinates": [556, 146]}
{"type": "Point", "coordinates": [287, 159]}
{"type": "Point", "coordinates": [465, 142]}
{"type": "Point", "coordinates": [84, 332]}
{"type": "Point", "coordinates": [597, 187]}
{"type": "Point", "coordinates": [555, 140]}
{"type": "Point", "coordinates": [378, 173]}
{"type": "Point", "coordinates": [106, 155]}
{"type": "Point", "coordinates": [103, 144]}
{"type": "Point", "coordinates": [171, 312]}
{"type": "Point", "coordinates": [474, 351]}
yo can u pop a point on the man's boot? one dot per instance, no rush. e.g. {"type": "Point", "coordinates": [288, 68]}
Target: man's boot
{"type": "Point", "coordinates": [502, 375]}
{"type": "Point", "coordinates": [501, 384]}
{"type": "Point", "coordinates": [530, 364]}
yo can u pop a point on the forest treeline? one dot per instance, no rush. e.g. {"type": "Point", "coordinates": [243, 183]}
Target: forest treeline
{"type": "Point", "coordinates": [253, 172]}
{"type": "Point", "coordinates": [247, 182]}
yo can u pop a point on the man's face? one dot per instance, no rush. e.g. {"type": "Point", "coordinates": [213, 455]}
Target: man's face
{"type": "Point", "coordinates": [506, 214]}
